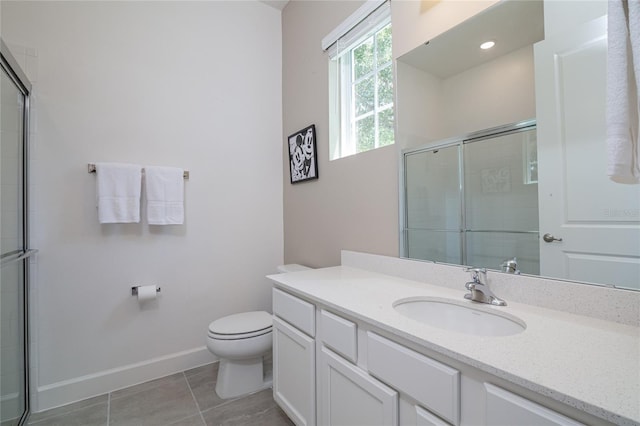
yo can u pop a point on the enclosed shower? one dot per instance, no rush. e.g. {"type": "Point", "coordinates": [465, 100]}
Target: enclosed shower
{"type": "Point", "coordinates": [473, 200]}
{"type": "Point", "coordinates": [14, 242]}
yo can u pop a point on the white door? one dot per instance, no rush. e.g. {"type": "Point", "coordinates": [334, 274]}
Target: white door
{"type": "Point", "coordinates": [598, 220]}
{"type": "Point", "coordinates": [294, 374]}
{"type": "Point", "coordinates": [350, 397]}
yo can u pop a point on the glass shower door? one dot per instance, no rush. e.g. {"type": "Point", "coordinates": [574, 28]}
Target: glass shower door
{"type": "Point", "coordinates": [13, 244]}
{"type": "Point", "coordinates": [474, 201]}
{"type": "Point", "coordinates": [501, 201]}
{"type": "Point", "coordinates": [432, 183]}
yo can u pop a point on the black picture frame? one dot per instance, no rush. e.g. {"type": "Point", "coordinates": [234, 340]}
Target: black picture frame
{"type": "Point", "coordinates": [303, 158]}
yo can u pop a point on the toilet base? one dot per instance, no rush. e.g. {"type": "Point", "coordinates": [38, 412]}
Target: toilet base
{"type": "Point", "coordinates": [237, 377]}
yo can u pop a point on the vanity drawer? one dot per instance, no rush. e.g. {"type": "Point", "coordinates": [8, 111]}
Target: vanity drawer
{"type": "Point", "coordinates": [295, 311]}
{"type": "Point", "coordinates": [339, 334]}
{"type": "Point", "coordinates": [504, 407]}
{"type": "Point", "coordinates": [434, 385]}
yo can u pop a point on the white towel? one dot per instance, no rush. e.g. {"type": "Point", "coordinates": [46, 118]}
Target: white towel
{"type": "Point", "coordinates": [623, 80]}
{"type": "Point", "coordinates": [118, 189]}
{"type": "Point", "coordinates": [164, 188]}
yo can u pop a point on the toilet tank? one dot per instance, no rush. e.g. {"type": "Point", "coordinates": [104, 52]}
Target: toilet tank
{"type": "Point", "coordinates": [292, 267]}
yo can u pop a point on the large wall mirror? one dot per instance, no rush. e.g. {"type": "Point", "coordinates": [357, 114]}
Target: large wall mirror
{"type": "Point", "coordinates": [504, 150]}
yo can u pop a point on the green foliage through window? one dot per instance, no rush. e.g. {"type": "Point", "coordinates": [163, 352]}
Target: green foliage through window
{"type": "Point", "coordinates": [372, 91]}
{"type": "Point", "coordinates": [361, 111]}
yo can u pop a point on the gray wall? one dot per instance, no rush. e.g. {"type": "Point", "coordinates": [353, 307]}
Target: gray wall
{"type": "Point", "coordinates": [354, 203]}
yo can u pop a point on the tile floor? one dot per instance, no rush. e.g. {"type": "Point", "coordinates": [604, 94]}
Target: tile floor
{"type": "Point", "coordinates": [182, 399]}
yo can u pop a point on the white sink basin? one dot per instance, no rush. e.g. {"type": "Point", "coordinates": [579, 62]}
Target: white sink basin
{"type": "Point", "coordinates": [459, 316]}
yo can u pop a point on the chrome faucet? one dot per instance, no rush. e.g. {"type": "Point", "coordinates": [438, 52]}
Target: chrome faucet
{"type": "Point", "coordinates": [479, 291]}
{"type": "Point", "coordinates": [510, 266]}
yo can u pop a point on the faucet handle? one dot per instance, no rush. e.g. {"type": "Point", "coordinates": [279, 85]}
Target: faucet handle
{"type": "Point", "coordinates": [475, 273]}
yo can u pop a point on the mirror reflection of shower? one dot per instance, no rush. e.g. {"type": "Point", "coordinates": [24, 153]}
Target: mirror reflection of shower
{"type": "Point", "coordinates": [474, 200]}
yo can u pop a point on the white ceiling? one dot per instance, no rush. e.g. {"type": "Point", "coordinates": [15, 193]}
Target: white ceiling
{"type": "Point", "coordinates": [278, 4]}
{"type": "Point", "coordinates": [511, 24]}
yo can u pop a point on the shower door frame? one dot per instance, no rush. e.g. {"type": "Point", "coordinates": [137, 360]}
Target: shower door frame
{"type": "Point", "coordinates": [22, 83]}
{"type": "Point", "coordinates": [460, 142]}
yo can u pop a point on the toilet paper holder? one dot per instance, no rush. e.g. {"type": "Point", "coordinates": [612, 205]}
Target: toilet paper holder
{"type": "Point", "coordinates": [134, 290]}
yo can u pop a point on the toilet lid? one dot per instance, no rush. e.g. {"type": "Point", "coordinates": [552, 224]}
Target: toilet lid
{"type": "Point", "coordinates": [242, 323]}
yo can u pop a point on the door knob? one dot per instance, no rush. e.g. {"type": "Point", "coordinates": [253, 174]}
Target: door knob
{"type": "Point", "coordinates": [548, 238]}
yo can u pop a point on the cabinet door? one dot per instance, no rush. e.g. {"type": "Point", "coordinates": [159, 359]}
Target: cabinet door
{"type": "Point", "coordinates": [505, 408]}
{"type": "Point", "coordinates": [351, 397]}
{"type": "Point", "coordinates": [294, 373]}
{"type": "Point", "coordinates": [432, 384]}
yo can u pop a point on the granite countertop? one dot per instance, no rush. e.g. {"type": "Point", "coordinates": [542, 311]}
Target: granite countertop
{"type": "Point", "coordinates": [587, 363]}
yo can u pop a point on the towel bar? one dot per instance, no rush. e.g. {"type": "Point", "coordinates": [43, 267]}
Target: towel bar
{"type": "Point", "coordinates": [92, 169]}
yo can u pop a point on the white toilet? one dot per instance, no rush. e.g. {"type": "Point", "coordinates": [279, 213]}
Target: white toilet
{"type": "Point", "coordinates": [241, 341]}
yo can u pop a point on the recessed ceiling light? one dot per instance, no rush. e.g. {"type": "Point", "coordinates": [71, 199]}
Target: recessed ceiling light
{"type": "Point", "coordinates": [487, 45]}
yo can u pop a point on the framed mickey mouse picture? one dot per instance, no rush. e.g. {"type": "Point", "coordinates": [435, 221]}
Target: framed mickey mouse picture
{"type": "Point", "coordinates": [303, 161]}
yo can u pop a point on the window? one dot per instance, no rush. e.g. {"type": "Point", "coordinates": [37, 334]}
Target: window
{"type": "Point", "coordinates": [361, 87]}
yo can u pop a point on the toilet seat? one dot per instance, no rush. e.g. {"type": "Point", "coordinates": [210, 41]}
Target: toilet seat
{"type": "Point", "coordinates": [244, 325]}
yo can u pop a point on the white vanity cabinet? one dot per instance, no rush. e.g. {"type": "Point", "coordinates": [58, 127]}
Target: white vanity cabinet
{"type": "Point", "coordinates": [336, 370]}
{"type": "Point", "coordinates": [435, 386]}
{"type": "Point", "coordinates": [347, 394]}
{"type": "Point", "coordinates": [294, 357]}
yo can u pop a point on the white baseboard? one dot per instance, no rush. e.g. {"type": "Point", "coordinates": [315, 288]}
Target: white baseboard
{"type": "Point", "coordinates": [10, 407]}
{"type": "Point", "coordinates": [79, 388]}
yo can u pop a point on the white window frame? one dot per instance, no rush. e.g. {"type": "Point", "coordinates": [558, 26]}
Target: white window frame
{"type": "Point", "coordinates": [340, 43]}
